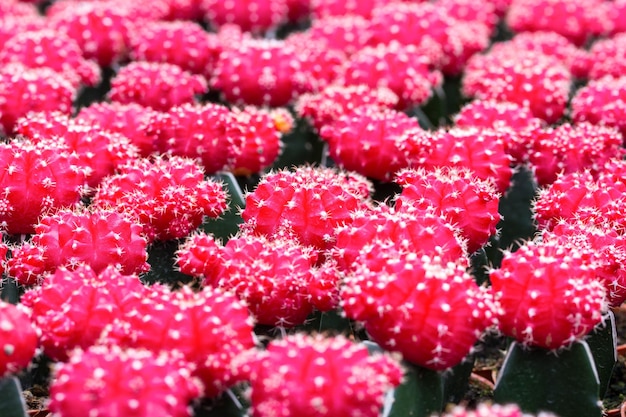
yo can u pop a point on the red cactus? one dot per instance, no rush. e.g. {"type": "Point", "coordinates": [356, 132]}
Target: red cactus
{"type": "Point", "coordinates": [259, 72]}
{"type": "Point", "coordinates": [529, 78]}
{"type": "Point", "coordinates": [428, 309]}
{"type": "Point", "coordinates": [547, 295]}
{"type": "Point", "coordinates": [168, 197]}
{"type": "Point", "coordinates": [72, 307]}
{"type": "Point", "coordinates": [321, 9]}
{"type": "Point", "coordinates": [256, 16]}
{"type": "Point", "coordinates": [572, 20]}
{"type": "Point", "coordinates": [200, 255]}
{"type": "Point", "coordinates": [568, 148]}
{"type": "Point", "coordinates": [401, 68]}
{"type": "Point", "coordinates": [469, 203]}
{"type": "Point", "coordinates": [184, 10]}
{"type": "Point", "coordinates": [24, 90]}
{"type": "Point", "coordinates": [112, 381]}
{"type": "Point", "coordinates": [131, 120]}
{"type": "Point", "coordinates": [100, 152]}
{"type": "Point", "coordinates": [51, 49]}
{"type": "Point", "coordinates": [194, 131]}
{"type": "Point", "coordinates": [468, 10]}
{"type": "Point", "coordinates": [369, 141]}
{"type": "Point", "coordinates": [332, 375]}
{"type": "Point", "coordinates": [346, 33]}
{"type": "Point", "coordinates": [334, 101]}
{"type": "Point", "coordinates": [209, 327]}
{"type": "Point", "coordinates": [18, 339]}
{"type": "Point", "coordinates": [98, 238]}
{"type": "Point", "coordinates": [608, 57]}
{"type": "Point", "coordinates": [310, 202]}
{"type": "Point", "coordinates": [602, 101]}
{"type": "Point", "coordinates": [428, 233]}
{"type": "Point", "coordinates": [11, 24]}
{"type": "Point", "coordinates": [160, 86]}
{"type": "Point", "coordinates": [181, 43]}
{"type": "Point", "coordinates": [255, 140]}
{"type": "Point", "coordinates": [36, 177]}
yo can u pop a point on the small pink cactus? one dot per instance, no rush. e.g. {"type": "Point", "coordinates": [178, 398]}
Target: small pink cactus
{"type": "Point", "coordinates": [309, 202]}
{"type": "Point", "coordinates": [24, 90]}
{"type": "Point", "coordinates": [602, 101]}
{"type": "Point", "coordinates": [334, 101]}
{"type": "Point", "coordinates": [427, 232]}
{"type": "Point", "coordinates": [97, 237]}
{"type": "Point", "coordinates": [369, 140]}
{"type": "Point", "coordinates": [547, 295]}
{"type": "Point", "coordinates": [51, 49]}
{"type": "Point", "coordinates": [169, 197]}
{"type": "Point", "coordinates": [492, 410]}
{"type": "Point", "coordinates": [321, 9]}
{"type": "Point", "coordinates": [428, 309]}
{"type": "Point", "coordinates": [209, 327]}
{"type": "Point", "coordinates": [18, 339]}
{"type": "Point", "coordinates": [256, 16]}
{"type": "Point", "coordinates": [112, 381]}
{"type": "Point", "coordinates": [347, 33]}
{"type": "Point", "coordinates": [608, 57]}
{"type": "Point", "coordinates": [37, 177]}
{"type": "Point", "coordinates": [182, 43]}
{"type": "Point", "coordinates": [71, 308]}
{"type": "Point", "coordinates": [469, 203]}
{"type": "Point", "coordinates": [160, 86]}
{"type": "Point", "coordinates": [331, 375]}
{"type": "Point", "coordinates": [259, 72]}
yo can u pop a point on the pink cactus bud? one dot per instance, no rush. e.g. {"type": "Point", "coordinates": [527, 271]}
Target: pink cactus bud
{"type": "Point", "coordinates": [404, 69]}
{"type": "Point", "coordinates": [428, 309]}
{"type": "Point", "coordinates": [602, 101]}
{"type": "Point", "coordinates": [72, 307]}
{"type": "Point", "coordinates": [369, 141]}
{"type": "Point", "coordinates": [99, 238]}
{"type": "Point", "coordinates": [492, 410]}
{"type": "Point", "coordinates": [169, 197]}
{"type": "Point", "coordinates": [100, 152]}
{"type": "Point", "coordinates": [469, 203]}
{"type": "Point", "coordinates": [24, 90]}
{"type": "Point", "coordinates": [331, 375]}
{"type": "Point", "coordinates": [111, 381]}
{"type": "Point", "coordinates": [259, 72]}
{"type": "Point", "coordinates": [310, 202]}
{"type": "Point", "coordinates": [201, 256]}
{"type": "Point", "coordinates": [27, 264]}
{"type": "Point", "coordinates": [547, 294]}
{"type": "Point", "coordinates": [529, 78]}
{"type": "Point", "coordinates": [37, 177]}
{"type": "Point", "coordinates": [255, 140]}
{"type": "Point", "coordinates": [51, 49]}
{"type": "Point", "coordinates": [18, 339]}
{"type": "Point", "coordinates": [334, 101]}
{"type": "Point", "coordinates": [181, 43]}
{"type": "Point", "coordinates": [428, 233]}
{"type": "Point", "coordinates": [256, 16]}
{"type": "Point", "coordinates": [131, 120]}
{"type": "Point", "coordinates": [574, 21]}
{"type": "Point", "coordinates": [209, 327]}
{"type": "Point", "coordinates": [160, 86]}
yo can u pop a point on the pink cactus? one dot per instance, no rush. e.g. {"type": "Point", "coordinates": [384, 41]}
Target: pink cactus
{"type": "Point", "coordinates": [602, 101]}
{"type": "Point", "coordinates": [469, 203]}
{"type": "Point", "coordinates": [168, 197]}
{"type": "Point", "coordinates": [608, 57]}
{"type": "Point", "coordinates": [492, 410]}
{"type": "Point", "coordinates": [37, 177]}
{"type": "Point", "coordinates": [51, 49]}
{"type": "Point", "coordinates": [321, 9]}
{"type": "Point", "coordinates": [24, 90]}
{"type": "Point", "coordinates": [530, 78]}
{"type": "Point", "coordinates": [181, 43]}
{"type": "Point", "coordinates": [369, 140]}
{"type": "Point", "coordinates": [428, 309]}
{"type": "Point", "coordinates": [259, 72]}
{"type": "Point", "coordinates": [209, 327]}
{"type": "Point", "coordinates": [347, 33]}
{"type": "Point", "coordinates": [332, 375]}
{"type": "Point", "coordinates": [309, 202]}
{"type": "Point", "coordinates": [112, 381]}
{"type": "Point", "coordinates": [99, 238]}
{"type": "Point", "coordinates": [256, 16]}
{"type": "Point", "coordinates": [71, 308]}
{"type": "Point", "coordinates": [18, 339]}
{"type": "Point", "coordinates": [160, 86]}
{"type": "Point", "coordinates": [547, 295]}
